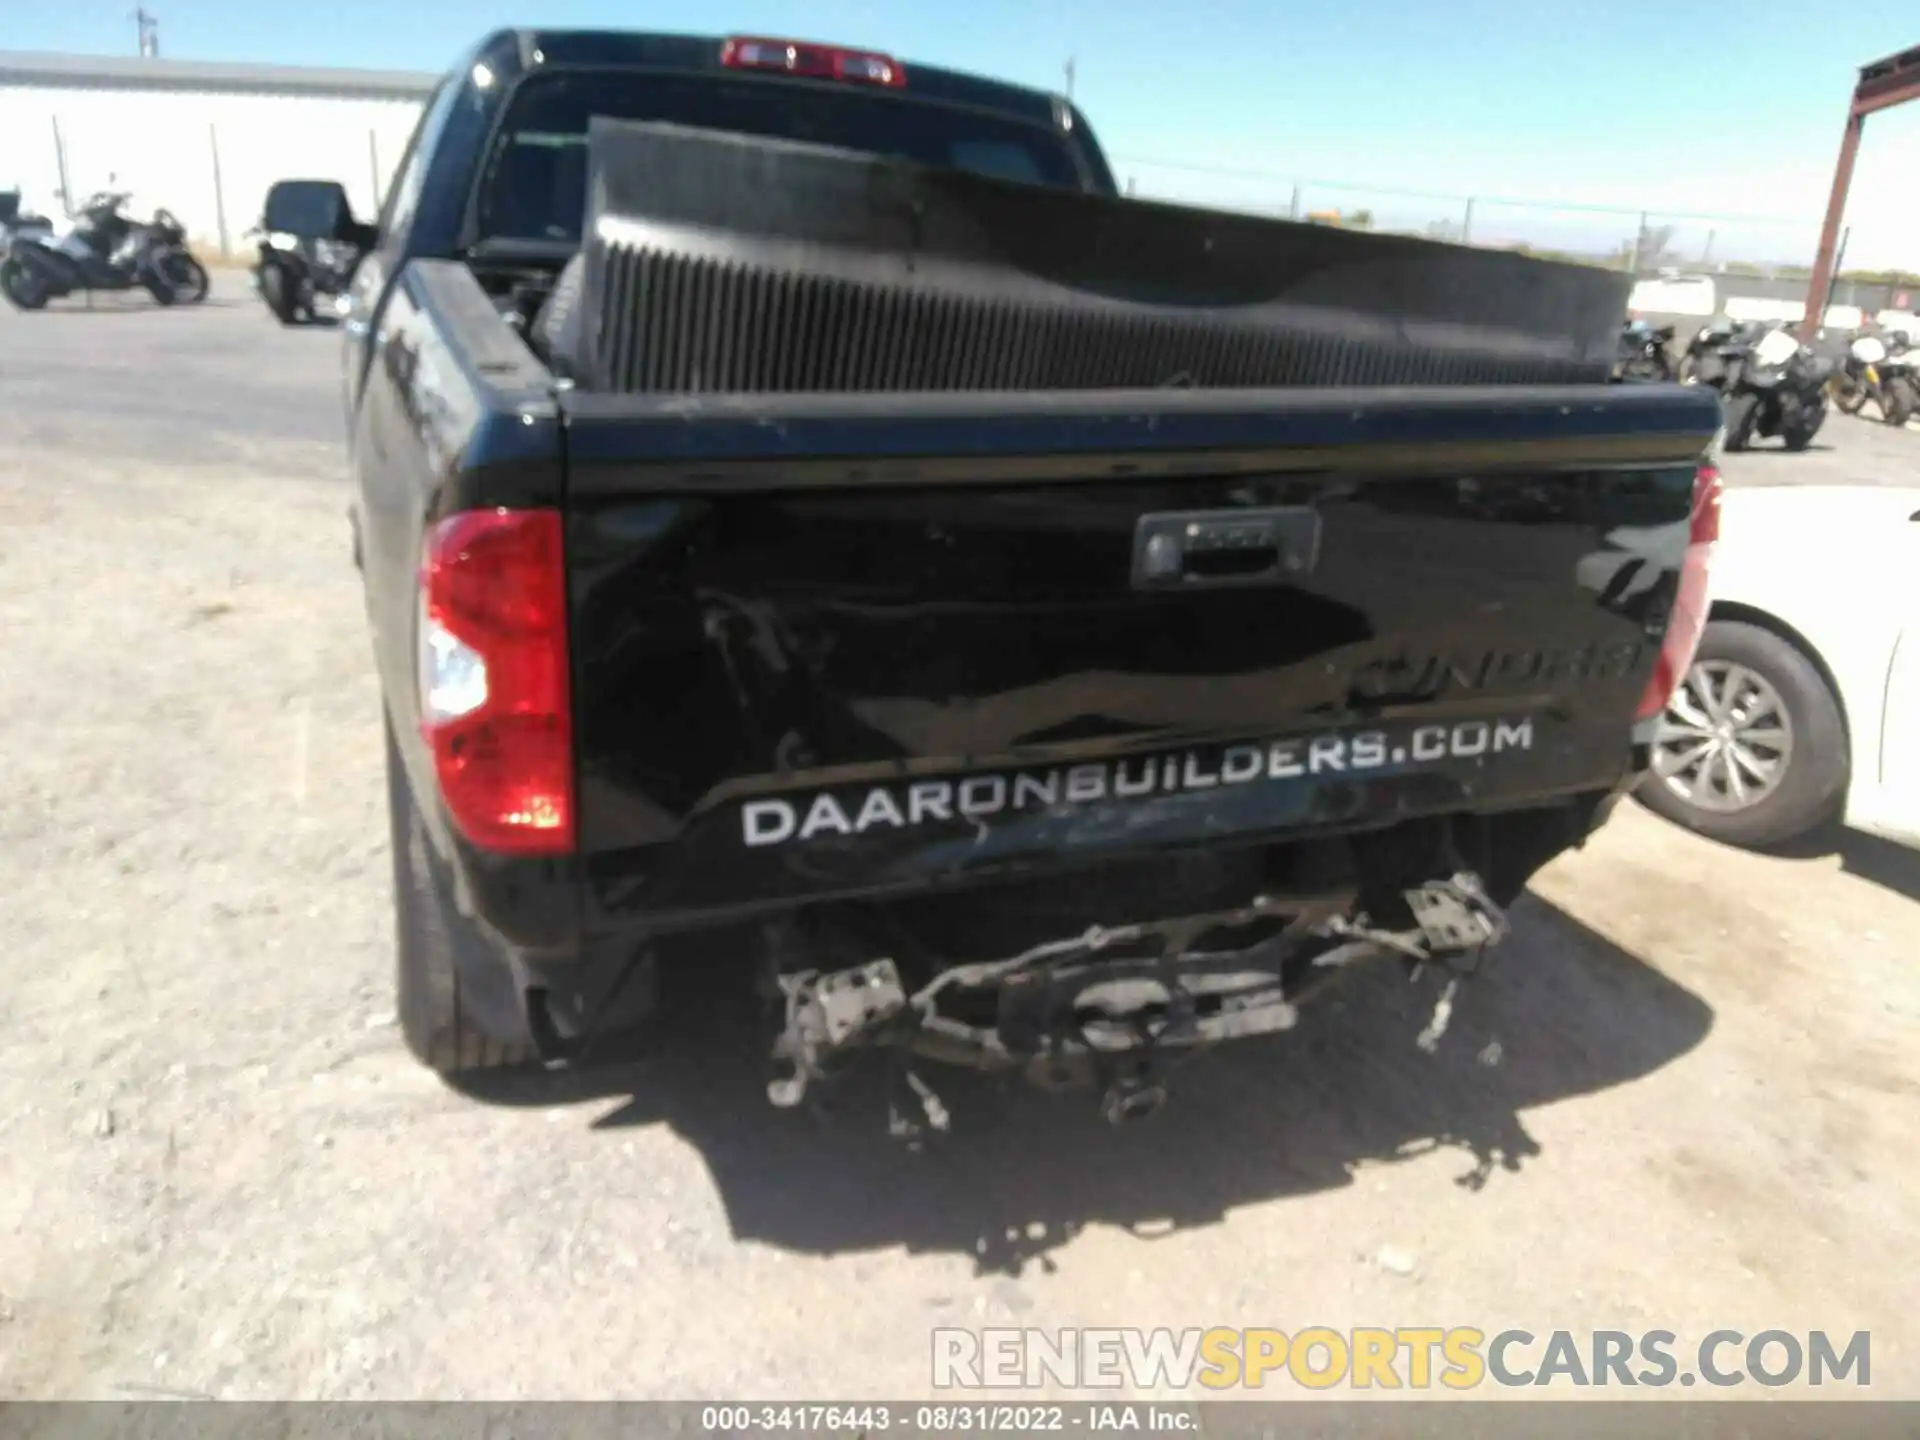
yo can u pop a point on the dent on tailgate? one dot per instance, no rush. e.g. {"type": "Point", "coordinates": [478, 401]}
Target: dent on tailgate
{"type": "Point", "coordinates": [860, 685]}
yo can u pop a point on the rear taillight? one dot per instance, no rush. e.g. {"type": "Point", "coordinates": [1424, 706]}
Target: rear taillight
{"type": "Point", "coordinates": [816, 62]}
{"type": "Point", "coordinates": [494, 702]}
{"type": "Point", "coordinates": [1689, 616]}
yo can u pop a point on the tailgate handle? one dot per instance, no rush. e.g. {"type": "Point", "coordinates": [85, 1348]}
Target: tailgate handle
{"type": "Point", "coordinates": [1191, 549]}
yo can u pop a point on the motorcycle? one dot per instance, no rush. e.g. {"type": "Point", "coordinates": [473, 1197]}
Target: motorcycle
{"type": "Point", "coordinates": [105, 250]}
{"type": "Point", "coordinates": [17, 221]}
{"type": "Point", "coordinates": [1772, 386]}
{"type": "Point", "coordinates": [1644, 352]}
{"type": "Point", "coordinates": [310, 245]}
{"type": "Point", "coordinates": [1876, 368]}
{"type": "Point", "coordinates": [1702, 363]}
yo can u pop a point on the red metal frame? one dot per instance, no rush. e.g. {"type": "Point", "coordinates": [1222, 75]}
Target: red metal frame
{"type": "Point", "coordinates": [1882, 85]}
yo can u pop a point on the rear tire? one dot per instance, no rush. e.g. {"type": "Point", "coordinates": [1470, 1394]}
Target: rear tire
{"type": "Point", "coordinates": [1802, 421]}
{"type": "Point", "coordinates": [1810, 788]}
{"type": "Point", "coordinates": [436, 949]}
{"type": "Point", "coordinates": [277, 292]}
{"type": "Point", "coordinates": [188, 277]}
{"type": "Point", "coordinates": [1897, 402]}
{"type": "Point", "coordinates": [1740, 411]}
{"type": "Point", "coordinates": [22, 286]}
{"type": "Point", "coordinates": [176, 278]}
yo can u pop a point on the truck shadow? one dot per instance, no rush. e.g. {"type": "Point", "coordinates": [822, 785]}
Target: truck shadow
{"type": "Point", "coordinates": [1892, 866]}
{"type": "Point", "coordinates": [1559, 1012]}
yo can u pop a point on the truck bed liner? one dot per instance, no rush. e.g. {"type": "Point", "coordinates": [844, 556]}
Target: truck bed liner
{"type": "Point", "coordinates": [719, 263]}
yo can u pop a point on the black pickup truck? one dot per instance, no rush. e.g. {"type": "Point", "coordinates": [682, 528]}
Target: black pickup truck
{"type": "Point", "coordinates": [807, 517]}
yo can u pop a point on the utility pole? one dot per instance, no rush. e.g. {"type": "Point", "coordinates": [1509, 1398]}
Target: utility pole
{"type": "Point", "coordinates": [1068, 68]}
{"type": "Point", "coordinates": [60, 161]}
{"type": "Point", "coordinates": [149, 34]}
{"type": "Point", "coordinates": [1833, 280]}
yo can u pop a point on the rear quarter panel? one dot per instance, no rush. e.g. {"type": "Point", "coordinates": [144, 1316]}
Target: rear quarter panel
{"type": "Point", "coordinates": [456, 414]}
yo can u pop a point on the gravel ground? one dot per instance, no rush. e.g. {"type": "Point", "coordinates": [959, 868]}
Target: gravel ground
{"type": "Point", "coordinates": [222, 1176]}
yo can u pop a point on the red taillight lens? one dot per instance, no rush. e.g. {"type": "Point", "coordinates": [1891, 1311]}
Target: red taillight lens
{"type": "Point", "coordinates": [494, 701]}
{"type": "Point", "coordinates": [1689, 617]}
{"type": "Point", "coordinates": [818, 62]}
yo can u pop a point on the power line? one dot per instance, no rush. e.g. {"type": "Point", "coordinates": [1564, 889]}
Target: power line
{"type": "Point", "coordinates": [1240, 173]}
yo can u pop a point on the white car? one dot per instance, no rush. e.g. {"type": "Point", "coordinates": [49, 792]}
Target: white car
{"type": "Point", "coordinates": [1802, 705]}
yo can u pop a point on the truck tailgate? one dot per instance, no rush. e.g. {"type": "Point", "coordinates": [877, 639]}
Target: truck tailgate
{"type": "Point", "coordinates": [839, 644]}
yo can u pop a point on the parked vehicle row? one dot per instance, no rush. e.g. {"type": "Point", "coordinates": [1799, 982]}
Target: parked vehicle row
{"type": "Point", "coordinates": [105, 250]}
{"type": "Point", "coordinates": [1646, 351]}
{"type": "Point", "coordinates": [307, 249]}
{"type": "Point", "coordinates": [1877, 370]}
{"type": "Point", "coordinates": [1771, 386]}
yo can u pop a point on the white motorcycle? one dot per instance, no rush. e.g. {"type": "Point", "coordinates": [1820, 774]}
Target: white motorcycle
{"type": "Point", "coordinates": [1879, 370]}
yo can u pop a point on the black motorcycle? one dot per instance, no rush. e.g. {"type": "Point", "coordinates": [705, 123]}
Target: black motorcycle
{"type": "Point", "coordinates": [310, 246]}
{"type": "Point", "coordinates": [105, 250]}
{"type": "Point", "coordinates": [1701, 363]}
{"type": "Point", "coordinates": [1770, 387]}
{"type": "Point", "coordinates": [1645, 352]}
{"type": "Point", "coordinates": [1878, 367]}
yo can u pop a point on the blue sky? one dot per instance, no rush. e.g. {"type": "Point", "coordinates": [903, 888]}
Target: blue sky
{"type": "Point", "coordinates": [1684, 110]}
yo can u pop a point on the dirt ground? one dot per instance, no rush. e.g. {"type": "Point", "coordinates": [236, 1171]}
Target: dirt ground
{"type": "Point", "coordinates": [220, 1175]}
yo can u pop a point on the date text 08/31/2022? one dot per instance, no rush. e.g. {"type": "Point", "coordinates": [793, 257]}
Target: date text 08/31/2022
{"type": "Point", "coordinates": [787, 819]}
{"type": "Point", "coordinates": [981, 1418]}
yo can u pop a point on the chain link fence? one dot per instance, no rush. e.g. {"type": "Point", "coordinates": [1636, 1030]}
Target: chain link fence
{"type": "Point", "coordinates": [1629, 238]}
{"type": "Point", "coordinates": [1757, 258]}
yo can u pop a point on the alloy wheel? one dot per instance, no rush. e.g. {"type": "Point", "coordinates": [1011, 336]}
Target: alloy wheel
{"type": "Point", "coordinates": [1726, 739]}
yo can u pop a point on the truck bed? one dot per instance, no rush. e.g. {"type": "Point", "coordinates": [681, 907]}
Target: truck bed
{"type": "Point", "coordinates": [779, 598]}
{"type": "Point", "coordinates": [868, 463]}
